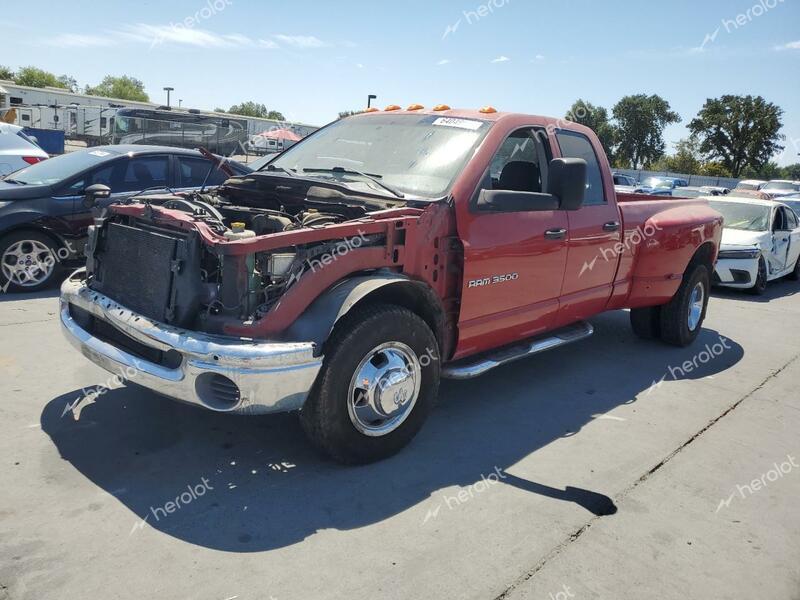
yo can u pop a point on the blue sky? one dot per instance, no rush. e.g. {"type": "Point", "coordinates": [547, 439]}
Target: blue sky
{"type": "Point", "coordinates": [312, 59]}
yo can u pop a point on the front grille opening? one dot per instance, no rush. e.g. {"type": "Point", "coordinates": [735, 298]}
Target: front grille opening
{"type": "Point", "coordinates": [218, 392]}
{"type": "Point", "coordinates": [108, 333]}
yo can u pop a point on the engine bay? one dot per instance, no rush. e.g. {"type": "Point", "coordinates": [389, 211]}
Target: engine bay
{"type": "Point", "coordinates": [208, 288]}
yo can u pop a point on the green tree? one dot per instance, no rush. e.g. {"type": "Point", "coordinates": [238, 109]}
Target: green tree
{"type": "Point", "coordinates": [740, 131]}
{"type": "Point", "coordinates": [640, 123]}
{"type": "Point", "coordinates": [35, 77]}
{"type": "Point", "coordinates": [686, 158]}
{"type": "Point", "coordinates": [791, 172]}
{"type": "Point", "coordinates": [254, 109]}
{"type": "Point", "coordinates": [770, 170]}
{"type": "Point", "coordinates": [6, 73]}
{"type": "Point", "coordinates": [596, 119]}
{"type": "Point", "coordinates": [125, 88]}
{"type": "Point", "coordinates": [714, 169]}
{"type": "Point", "coordinates": [69, 83]}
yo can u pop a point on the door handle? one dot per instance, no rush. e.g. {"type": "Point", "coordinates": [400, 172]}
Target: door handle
{"type": "Point", "coordinates": [555, 234]}
{"type": "Point", "coordinates": [611, 226]}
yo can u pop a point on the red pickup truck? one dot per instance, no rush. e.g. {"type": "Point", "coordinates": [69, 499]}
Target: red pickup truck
{"type": "Point", "coordinates": [379, 254]}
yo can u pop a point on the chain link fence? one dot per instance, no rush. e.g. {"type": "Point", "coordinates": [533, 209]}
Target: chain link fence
{"type": "Point", "coordinates": [694, 180]}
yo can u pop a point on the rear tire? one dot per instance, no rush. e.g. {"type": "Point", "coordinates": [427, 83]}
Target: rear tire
{"type": "Point", "coordinates": [760, 285]}
{"type": "Point", "coordinates": [28, 262]}
{"type": "Point", "coordinates": [378, 383]}
{"type": "Point", "coordinates": [646, 322]}
{"type": "Point", "coordinates": [682, 317]}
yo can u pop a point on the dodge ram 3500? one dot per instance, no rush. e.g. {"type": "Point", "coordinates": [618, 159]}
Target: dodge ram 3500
{"type": "Point", "coordinates": [379, 254]}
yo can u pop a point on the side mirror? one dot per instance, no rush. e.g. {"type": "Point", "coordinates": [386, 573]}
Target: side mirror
{"type": "Point", "coordinates": [512, 201]}
{"type": "Point", "coordinates": [95, 192]}
{"type": "Point", "coordinates": [567, 182]}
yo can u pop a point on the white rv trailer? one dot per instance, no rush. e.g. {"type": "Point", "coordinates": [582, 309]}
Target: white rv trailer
{"type": "Point", "coordinates": [91, 118]}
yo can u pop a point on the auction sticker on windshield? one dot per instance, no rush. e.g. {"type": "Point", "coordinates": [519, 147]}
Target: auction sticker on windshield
{"type": "Point", "coordinates": [458, 123]}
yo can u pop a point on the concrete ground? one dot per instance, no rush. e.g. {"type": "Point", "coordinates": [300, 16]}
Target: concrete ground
{"type": "Point", "coordinates": [614, 468]}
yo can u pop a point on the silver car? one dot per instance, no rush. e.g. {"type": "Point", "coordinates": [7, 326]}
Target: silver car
{"type": "Point", "coordinates": [17, 150]}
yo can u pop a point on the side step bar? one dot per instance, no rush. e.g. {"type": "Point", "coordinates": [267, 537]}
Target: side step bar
{"type": "Point", "coordinates": [478, 365]}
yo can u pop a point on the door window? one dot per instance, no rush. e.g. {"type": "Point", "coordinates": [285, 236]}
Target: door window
{"type": "Point", "coordinates": [576, 145]}
{"type": "Point", "coordinates": [192, 172]}
{"type": "Point", "coordinates": [521, 162]}
{"type": "Point", "coordinates": [103, 175]}
{"type": "Point", "coordinates": [144, 172]}
{"type": "Point", "coordinates": [792, 219]}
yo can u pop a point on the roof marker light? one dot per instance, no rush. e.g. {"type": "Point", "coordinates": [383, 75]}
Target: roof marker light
{"type": "Point", "coordinates": [415, 107]}
{"type": "Point", "coordinates": [439, 107]}
{"type": "Point", "coordinates": [488, 110]}
{"type": "Point", "coordinates": [371, 109]}
{"type": "Point", "coordinates": [392, 107]}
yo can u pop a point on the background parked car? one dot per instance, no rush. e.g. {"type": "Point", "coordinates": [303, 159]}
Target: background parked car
{"type": "Point", "coordinates": [41, 211]}
{"type": "Point", "coordinates": [760, 243]}
{"type": "Point", "coordinates": [777, 188]}
{"type": "Point", "coordinates": [749, 185]}
{"type": "Point", "coordinates": [17, 150]}
{"type": "Point", "coordinates": [793, 202]}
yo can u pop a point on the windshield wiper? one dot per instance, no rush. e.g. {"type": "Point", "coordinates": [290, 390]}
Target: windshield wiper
{"type": "Point", "coordinates": [373, 178]}
{"type": "Point", "coordinates": [16, 181]}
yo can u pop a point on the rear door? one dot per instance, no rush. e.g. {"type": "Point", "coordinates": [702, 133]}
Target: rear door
{"type": "Point", "coordinates": [593, 247]}
{"type": "Point", "coordinates": [513, 261]}
{"type": "Point", "coordinates": [193, 172]}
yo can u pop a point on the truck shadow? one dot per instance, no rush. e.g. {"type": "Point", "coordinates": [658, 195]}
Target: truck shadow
{"type": "Point", "coordinates": [248, 484]}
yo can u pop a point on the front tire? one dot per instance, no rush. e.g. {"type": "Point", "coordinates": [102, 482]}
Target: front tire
{"type": "Point", "coordinates": [795, 275]}
{"type": "Point", "coordinates": [682, 317]}
{"type": "Point", "coordinates": [760, 285]}
{"type": "Point", "coordinates": [28, 262]}
{"type": "Point", "coordinates": [377, 385]}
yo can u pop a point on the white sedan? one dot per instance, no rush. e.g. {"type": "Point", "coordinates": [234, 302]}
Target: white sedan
{"type": "Point", "coordinates": [17, 150]}
{"type": "Point", "coordinates": [760, 243]}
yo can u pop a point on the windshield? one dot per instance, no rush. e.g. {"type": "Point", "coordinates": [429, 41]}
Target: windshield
{"type": "Point", "coordinates": [781, 185]}
{"type": "Point", "coordinates": [56, 170]}
{"type": "Point", "coordinates": [748, 186]}
{"type": "Point", "coordinates": [738, 215]}
{"type": "Point", "coordinates": [418, 155]}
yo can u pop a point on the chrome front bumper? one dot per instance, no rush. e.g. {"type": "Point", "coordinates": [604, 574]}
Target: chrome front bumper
{"type": "Point", "coordinates": [219, 373]}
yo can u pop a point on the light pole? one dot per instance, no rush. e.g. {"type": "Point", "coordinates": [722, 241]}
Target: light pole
{"type": "Point", "coordinates": [180, 102]}
{"type": "Point", "coordinates": [168, 90]}
{"type": "Point", "coordinates": [370, 98]}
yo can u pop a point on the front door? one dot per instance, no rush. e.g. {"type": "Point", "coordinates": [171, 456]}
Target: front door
{"type": "Point", "coordinates": [513, 261]}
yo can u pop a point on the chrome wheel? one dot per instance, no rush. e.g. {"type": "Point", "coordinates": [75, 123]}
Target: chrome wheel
{"type": "Point", "coordinates": [384, 389]}
{"type": "Point", "coordinates": [27, 263]}
{"type": "Point", "coordinates": [696, 303]}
